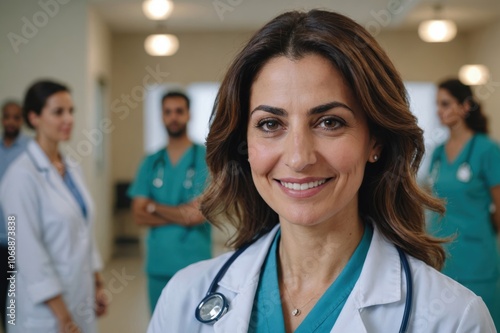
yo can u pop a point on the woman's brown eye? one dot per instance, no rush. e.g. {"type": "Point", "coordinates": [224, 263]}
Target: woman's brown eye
{"type": "Point", "coordinates": [271, 124]}
{"type": "Point", "coordinates": [268, 125]}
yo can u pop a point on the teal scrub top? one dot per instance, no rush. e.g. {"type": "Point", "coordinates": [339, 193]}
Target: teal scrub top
{"type": "Point", "coordinates": [472, 254]}
{"type": "Point", "coordinates": [173, 247]}
{"type": "Point", "coordinates": [267, 312]}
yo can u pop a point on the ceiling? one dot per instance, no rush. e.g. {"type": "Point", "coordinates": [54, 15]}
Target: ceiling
{"type": "Point", "coordinates": [221, 15]}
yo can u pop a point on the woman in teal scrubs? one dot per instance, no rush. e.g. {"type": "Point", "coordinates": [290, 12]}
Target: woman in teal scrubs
{"type": "Point", "coordinates": [465, 173]}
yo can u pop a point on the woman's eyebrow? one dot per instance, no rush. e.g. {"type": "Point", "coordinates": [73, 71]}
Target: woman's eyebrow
{"type": "Point", "coordinates": [315, 110]}
{"type": "Point", "coordinates": [328, 106]}
{"type": "Point", "coordinates": [271, 109]}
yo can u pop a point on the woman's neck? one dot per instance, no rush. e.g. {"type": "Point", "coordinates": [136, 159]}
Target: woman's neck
{"type": "Point", "coordinates": [315, 256]}
{"type": "Point", "coordinates": [50, 148]}
{"type": "Point", "coordinates": [460, 133]}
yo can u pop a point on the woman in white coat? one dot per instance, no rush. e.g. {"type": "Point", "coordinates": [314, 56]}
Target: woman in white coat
{"type": "Point", "coordinates": [313, 154]}
{"type": "Point", "coordinates": [58, 287]}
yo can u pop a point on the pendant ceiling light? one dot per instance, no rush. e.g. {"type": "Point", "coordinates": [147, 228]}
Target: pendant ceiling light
{"type": "Point", "coordinates": [157, 9]}
{"type": "Point", "coordinates": [437, 30]}
{"type": "Point", "coordinates": [161, 44]}
{"type": "Point", "coordinates": [474, 75]}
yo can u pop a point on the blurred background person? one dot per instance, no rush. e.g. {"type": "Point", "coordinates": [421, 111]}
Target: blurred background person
{"type": "Point", "coordinates": [12, 145]}
{"type": "Point", "coordinates": [13, 140]}
{"type": "Point", "coordinates": [464, 171]}
{"type": "Point", "coordinates": [165, 197]}
{"type": "Point", "coordinates": [58, 287]}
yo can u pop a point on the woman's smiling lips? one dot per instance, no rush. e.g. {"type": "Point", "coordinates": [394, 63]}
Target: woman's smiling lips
{"type": "Point", "coordinates": [302, 188]}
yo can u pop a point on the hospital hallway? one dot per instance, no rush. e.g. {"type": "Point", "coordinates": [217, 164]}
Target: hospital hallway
{"type": "Point", "coordinates": [128, 311]}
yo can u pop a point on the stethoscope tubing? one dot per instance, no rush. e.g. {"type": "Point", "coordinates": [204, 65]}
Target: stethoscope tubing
{"type": "Point", "coordinates": [213, 286]}
{"type": "Point", "coordinates": [409, 291]}
{"type": "Point", "coordinates": [212, 290]}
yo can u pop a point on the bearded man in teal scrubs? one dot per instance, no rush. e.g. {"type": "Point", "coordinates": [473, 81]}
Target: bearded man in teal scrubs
{"type": "Point", "coordinates": [164, 195]}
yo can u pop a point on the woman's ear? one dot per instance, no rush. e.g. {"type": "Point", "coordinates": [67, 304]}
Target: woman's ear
{"type": "Point", "coordinates": [467, 106]}
{"type": "Point", "coordinates": [376, 150]}
{"type": "Point", "coordinates": [33, 119]}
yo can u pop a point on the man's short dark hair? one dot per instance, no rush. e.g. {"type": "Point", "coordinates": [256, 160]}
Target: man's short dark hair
{"type": "Point", "coordinates": [175, 94]}
{"type": "Point", "coordinates": [10, 102]}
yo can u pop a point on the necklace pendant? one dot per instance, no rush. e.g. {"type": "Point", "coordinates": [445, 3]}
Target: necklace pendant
{"type": "Point", "coordinates": [296, 312]}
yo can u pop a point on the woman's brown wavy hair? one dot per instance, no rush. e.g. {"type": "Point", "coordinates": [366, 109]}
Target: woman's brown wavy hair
{"type": "Point", "coordinates": [389, 194]}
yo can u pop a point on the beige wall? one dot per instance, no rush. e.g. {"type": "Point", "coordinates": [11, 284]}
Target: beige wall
{"type": "Point", "coordinates": [98, 131]}
{"type": "Point", "coordinates": [484, 48]}
{"type": "Point", "coordinates": [54, 50]}
{"type": "Point", "coordinates": [420, 61]}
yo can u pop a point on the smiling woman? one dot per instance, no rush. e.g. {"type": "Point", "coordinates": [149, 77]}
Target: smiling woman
{"type": "Point", "coordinates": [329, 217]}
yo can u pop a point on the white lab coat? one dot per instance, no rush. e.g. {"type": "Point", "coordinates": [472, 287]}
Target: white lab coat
{"type": "Point", "coordinates": [55, 250]}
{"type": "Point", "coordinates": [376, 304]}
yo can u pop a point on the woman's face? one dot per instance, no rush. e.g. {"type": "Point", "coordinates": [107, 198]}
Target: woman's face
{"type": "Point", "coordinates": [450, 111]}
{"type": "Point", "coordinates": [55, 122]}
{"type": "Point", "coordinates": [308, 141]}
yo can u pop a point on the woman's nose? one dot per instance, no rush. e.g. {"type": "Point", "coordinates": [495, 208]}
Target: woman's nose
{"type": "Point", "coordinates": [299, 150]}
{"type": "Point", "coordinates": [68, 117]}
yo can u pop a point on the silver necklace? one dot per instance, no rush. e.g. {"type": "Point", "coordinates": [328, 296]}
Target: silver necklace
{"type": "Point", "coordinates": [296, 310]}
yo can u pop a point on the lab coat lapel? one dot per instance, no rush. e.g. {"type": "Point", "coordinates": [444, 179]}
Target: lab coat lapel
{"type": "Point", "coordinates": [55, 181]}
{"type": "Point", "coordinates": [380, 283]}
{"type": "Point", "coordinates": [242, 279]}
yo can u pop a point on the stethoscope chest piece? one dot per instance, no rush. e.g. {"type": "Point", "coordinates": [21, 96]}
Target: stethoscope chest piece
{"type": "Point", "coordinates": [157, 182]}
{"type": "Point", "coordinates": [464, 173]}
{"type": "Point", "coordinates": [211, 308]}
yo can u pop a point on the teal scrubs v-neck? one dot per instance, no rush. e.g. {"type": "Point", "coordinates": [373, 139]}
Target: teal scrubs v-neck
{"type": "Point", "coordinates": [267, 312]}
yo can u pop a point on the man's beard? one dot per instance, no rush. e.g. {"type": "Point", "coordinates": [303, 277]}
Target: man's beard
{"type": "Point", "coordinates": [11, 134]}
{"type": "Point", "coordinates": [178, 133]}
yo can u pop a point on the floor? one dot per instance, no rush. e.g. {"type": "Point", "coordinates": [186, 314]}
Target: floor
{"type": "Point", "coordinates": [126, 285]}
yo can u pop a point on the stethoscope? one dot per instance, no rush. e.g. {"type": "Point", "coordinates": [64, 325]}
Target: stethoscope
{"type": "Point", "coordinates": [464, 171]}
{"type": "Point", "coordinates": [215, 305]}
{"type": "Point", "coordinates": [160, 163]}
